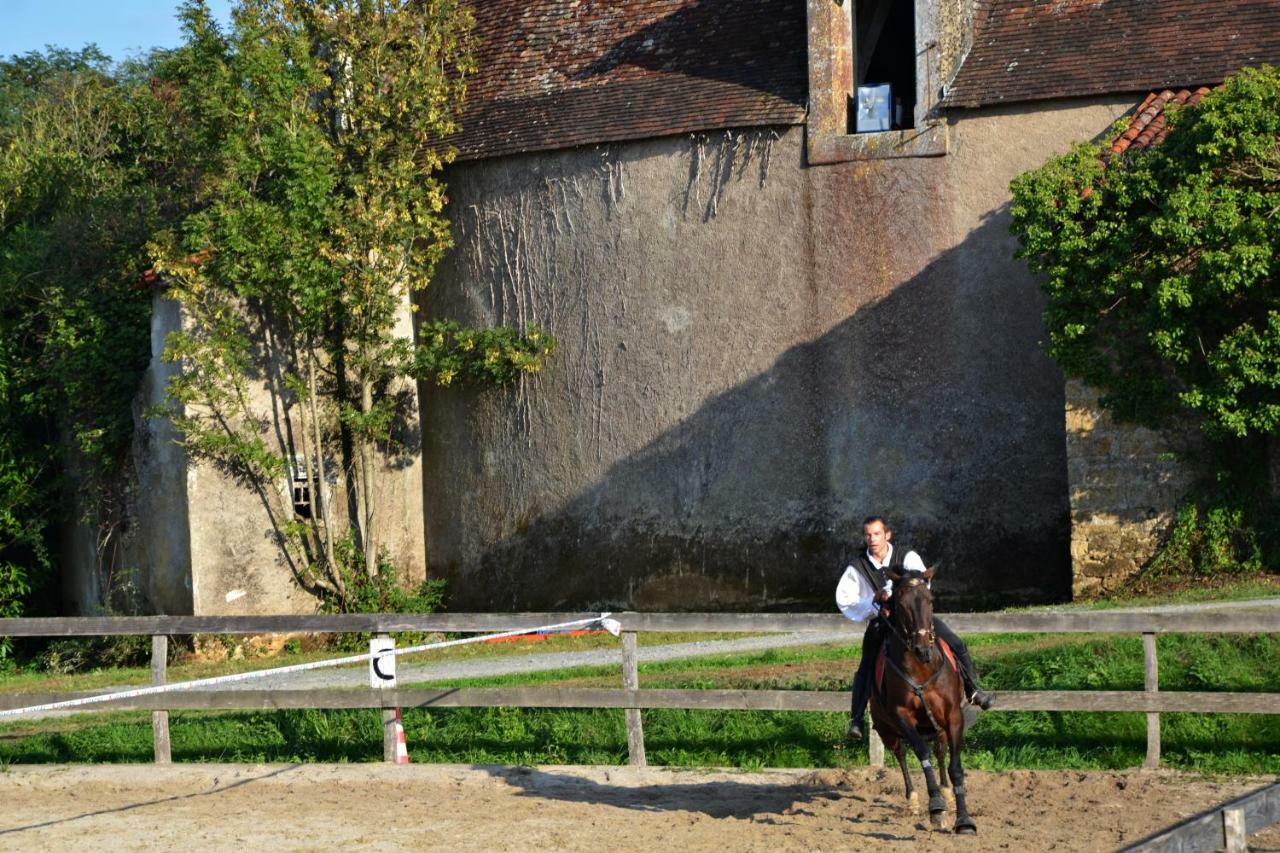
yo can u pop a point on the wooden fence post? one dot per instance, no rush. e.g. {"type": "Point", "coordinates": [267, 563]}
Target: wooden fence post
{"type": "Point", "coordinates": [390, 740]}
{"type": "Point", "coordinates": [631, 681]}
{"type": "Point", "coordinates": [1151, 678]}
{"type": "Point", "coordinates": [160, 719]}
{"type": "Point", "coordinates": [1234, 834]}
{"type": "Point", "coordinates": [875, 749]}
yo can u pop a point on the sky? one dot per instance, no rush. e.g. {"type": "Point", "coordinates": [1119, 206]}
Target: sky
{"type": "Point", "coordinates": [120, 28]}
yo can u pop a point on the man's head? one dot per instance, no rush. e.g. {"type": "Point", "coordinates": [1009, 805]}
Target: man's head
{"type": "Point", "coordinates": [876, 533]}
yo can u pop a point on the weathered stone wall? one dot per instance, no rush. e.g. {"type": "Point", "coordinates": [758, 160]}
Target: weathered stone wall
{"type": "Point", "coordinates": [754, 355]}
{"type": "Point", "coordinates": [1126, 482]}
{"type": "Point", "coordinates": [198, 541]}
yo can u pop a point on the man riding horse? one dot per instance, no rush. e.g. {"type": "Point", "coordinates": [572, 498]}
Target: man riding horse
{"type": "Point", "coordinates": [864, 592]}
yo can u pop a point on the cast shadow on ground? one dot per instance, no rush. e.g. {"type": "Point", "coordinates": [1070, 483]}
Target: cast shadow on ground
{"type": "Point", "coordinates": [131, 806]}
{"type": "Point", "coordinates": [718, 798]}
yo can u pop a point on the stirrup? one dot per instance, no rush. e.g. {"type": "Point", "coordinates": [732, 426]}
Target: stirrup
{"type": "Point", "coordinates": [855, 730]}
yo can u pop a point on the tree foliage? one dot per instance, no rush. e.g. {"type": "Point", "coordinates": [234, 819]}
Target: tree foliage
{"type": "Point", "coordinates": [1161, 266]}
{"type": "Point", "coordinates": [318, 131]}
{"type": "Point", "coordinates": [86, 173]}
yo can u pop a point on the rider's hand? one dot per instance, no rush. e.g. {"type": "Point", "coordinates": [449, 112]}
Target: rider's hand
{"type": "Point", "coordinates": [882, 596]}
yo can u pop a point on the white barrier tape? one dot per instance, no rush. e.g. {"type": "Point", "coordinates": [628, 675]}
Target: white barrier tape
{"type": "Point", "coordinates": [610, 625]}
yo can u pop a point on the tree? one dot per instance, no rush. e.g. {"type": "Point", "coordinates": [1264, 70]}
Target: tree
{"type": "Point", "coordinates": [1161, 266]}
{"type": "Point", "coordinates": [1161, 272]}
{"type": "Point", "coordinates": [85, 178]}
{"type": "Point", "coordinates": [318, 130]}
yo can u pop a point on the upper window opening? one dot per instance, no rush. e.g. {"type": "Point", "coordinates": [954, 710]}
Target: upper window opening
{"type": "Point", "coordinates": [885, 66]}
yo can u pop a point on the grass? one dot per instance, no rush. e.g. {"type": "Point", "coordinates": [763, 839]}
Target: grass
{"type": "Point", "coordinates": [1215, 744]}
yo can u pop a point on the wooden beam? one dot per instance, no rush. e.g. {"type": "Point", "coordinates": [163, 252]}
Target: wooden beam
{"type": "Point", "coordinates": [1099, 622]}
{"type": "Point", "coordinates": [582, 697]}
{"type": "Point", "coordinates": [160, 719]}
{"type": "Point", "coordinates": [631, 684]}
{"type": "Point", "coordinates": [1151, 684]}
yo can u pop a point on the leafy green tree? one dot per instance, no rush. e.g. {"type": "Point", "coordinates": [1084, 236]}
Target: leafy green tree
{"type": "Point", "coordinates": [1161, 272]}
{"type": "Point", "coordinates": [1161, 266]}
{"type": "Point", "coordinates": [85, 177]}
{"type": "Point", "coordinates": [317, 129]}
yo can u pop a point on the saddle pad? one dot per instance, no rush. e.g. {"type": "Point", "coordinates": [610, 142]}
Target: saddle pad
{"type": "Point", "coordinates": [946, 650]}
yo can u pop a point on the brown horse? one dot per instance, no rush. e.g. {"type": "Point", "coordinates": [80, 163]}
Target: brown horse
{"type": "Point", "coordinates": [921, 696]}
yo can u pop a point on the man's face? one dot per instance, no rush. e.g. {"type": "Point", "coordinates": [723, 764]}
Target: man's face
{"type": "Point", "coordinates": [877, 537]}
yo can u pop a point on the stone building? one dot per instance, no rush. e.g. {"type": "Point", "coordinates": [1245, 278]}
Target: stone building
{"type": "Point", "coordinates": [770, 324]}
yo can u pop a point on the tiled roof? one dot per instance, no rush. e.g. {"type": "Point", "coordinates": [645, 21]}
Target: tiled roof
{"type": "Point", "coordinates": [559, 73]}
{"type": "Point", "coordinates": [1147, 127]}
{"type": "Point", "coordinates": [1027, 50]}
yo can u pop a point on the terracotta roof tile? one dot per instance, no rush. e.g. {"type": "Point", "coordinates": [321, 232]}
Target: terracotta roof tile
{"type": "Point", "coordinates": [559, 73]}
{"type": "Point", "coordinates": [1149, 123]}
{"type": "Point", "coordinates": [1026, 50]}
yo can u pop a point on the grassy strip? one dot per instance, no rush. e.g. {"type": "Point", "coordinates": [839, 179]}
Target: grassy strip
{"type": "Point", "coordinates": [1225, 744]}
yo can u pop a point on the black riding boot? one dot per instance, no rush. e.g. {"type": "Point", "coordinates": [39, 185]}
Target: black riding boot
{"type": "Point", "coordinates": [969, 675]}
{"type": "Point", "coordinates": [858, 706]}
{"type": "Point", "coordinates": [872, 640]}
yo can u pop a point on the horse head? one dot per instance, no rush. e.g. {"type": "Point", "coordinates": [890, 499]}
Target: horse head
{"type": "Point", "coordinates": [913, 611]}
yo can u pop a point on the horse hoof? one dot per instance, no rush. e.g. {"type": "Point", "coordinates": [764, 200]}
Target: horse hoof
{"type": "Point", "coordinates": [935, 820]}
{"type": "Point", "coordinates": [937, 805]}
{"type": "Point", "coordinates": [966, 829]}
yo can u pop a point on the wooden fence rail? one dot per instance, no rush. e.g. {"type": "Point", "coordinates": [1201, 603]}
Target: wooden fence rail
{"type": "Point", "coordinates": [1100, 622]}
{"type": "Point", "coordinates": [1150, 700]}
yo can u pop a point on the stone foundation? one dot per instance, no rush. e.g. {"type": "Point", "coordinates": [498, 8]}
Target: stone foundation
{"type": "Point", "coordinates": [1125, 484]}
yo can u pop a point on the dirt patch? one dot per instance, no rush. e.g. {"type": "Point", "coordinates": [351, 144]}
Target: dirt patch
{"type": "Point", "coordinates": [452, 807]}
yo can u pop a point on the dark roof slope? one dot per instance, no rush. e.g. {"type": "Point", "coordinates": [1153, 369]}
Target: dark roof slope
{"type": "Point", "coordinates": [559, 73]}
{"type": "Point", "coordinates": [1027, 50]}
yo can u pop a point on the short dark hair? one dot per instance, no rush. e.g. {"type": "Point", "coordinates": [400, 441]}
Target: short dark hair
{"type": "Point", "coordinates": [872, 519]}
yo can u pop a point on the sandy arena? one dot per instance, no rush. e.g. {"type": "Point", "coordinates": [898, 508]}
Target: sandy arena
{"type": "Point", "coordinates": [453, 807]}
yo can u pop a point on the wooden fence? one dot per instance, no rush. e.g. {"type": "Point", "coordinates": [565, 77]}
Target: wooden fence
{"type": "Point", "coordinates": [631, 696]}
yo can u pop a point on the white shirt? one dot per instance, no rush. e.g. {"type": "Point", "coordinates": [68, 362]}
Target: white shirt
{"type": "Point", "coordinates": [855, 596]}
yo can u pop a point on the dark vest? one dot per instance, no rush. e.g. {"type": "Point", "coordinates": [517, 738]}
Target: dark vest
{"type": "Point", "coordinates": [869, 571]}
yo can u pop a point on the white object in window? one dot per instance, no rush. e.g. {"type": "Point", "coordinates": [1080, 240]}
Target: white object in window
{"type": "Point", "coordinates": [873, 108]}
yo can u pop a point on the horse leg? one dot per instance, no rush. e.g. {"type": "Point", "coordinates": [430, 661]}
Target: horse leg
{"type": "Point", "coordinates": [964, 823]}
{"type": "Point", "coordinates": [937, 805]}
{"type": "Point", "coordinates": [940, 758]}
{"type": "Point", "coordinates": [913, 799]}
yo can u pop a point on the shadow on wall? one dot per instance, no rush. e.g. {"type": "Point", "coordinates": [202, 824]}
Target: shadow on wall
{"type": "Point", "coordinates": [933, 406]}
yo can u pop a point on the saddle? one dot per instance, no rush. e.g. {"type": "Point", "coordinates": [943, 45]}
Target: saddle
{"type": "Point", "coordinates": [884, 650]}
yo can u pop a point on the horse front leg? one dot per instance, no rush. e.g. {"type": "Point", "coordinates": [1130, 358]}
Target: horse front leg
{"type": "Point", "coordinates": [964, 823]}
{"type": "Point", "coordinates": [913, 799]}
{"type": "Point", "coordinates": [937, 805]}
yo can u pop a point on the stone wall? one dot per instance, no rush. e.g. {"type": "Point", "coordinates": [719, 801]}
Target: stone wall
{"type": "Point", "coordinates": [1126, 483]}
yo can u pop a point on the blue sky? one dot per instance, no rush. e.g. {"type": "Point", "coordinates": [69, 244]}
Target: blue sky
{"type": "Point", "coordinates": [121, 28]}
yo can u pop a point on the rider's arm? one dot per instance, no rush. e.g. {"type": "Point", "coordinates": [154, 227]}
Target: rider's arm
{"type": "Point", "coordinates": [854, 596]}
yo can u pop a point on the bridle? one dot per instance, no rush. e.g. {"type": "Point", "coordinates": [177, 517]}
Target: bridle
{"type": "Point", "coordinates": [927, 633]}
{"type": "Point", "coordinates": [917, 688]}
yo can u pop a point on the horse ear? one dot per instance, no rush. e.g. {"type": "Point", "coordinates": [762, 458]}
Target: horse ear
{"type": "Point", "coordinates": [893, 574]}
{"type": "Point", "coordinates": [928, 575]}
